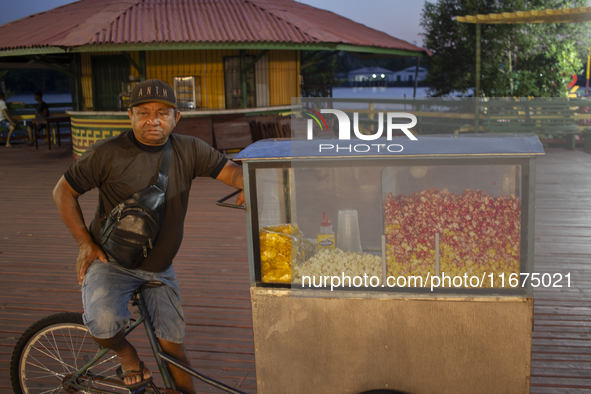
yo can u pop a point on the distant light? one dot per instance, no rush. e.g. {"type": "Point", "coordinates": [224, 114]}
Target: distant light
{"type": "Point", "coordinates": [383, 76]}
{"type": "Point", "coordinates": [374, 75]}
{"type": "Point", "coordinates": [541, 75]}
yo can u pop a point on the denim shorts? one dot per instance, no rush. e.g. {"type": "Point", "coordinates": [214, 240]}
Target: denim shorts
{"type": "Point", "coordinates": [107, 289]}
{"type": "Point", "coordinates": [4, 123]}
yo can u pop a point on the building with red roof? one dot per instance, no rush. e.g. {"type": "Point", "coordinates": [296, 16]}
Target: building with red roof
{"type": "Point", "coordinates": [222, 56]}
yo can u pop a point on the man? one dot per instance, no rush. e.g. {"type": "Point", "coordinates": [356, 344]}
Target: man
{"type": "Point", "coordinates": [41, 111]}
{"type": "Point", "coordinates": [120, 166]}
{"type": "Point", "coordinates": [5, 120]}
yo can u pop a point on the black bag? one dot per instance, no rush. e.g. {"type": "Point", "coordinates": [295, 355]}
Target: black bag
{"type": "Point", "coordinates": [129, 231]}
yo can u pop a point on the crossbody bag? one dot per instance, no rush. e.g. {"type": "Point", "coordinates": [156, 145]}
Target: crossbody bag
{"type": "Point", "coordinates": [129, 231]}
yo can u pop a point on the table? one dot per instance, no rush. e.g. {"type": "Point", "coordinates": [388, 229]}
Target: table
{"type": "Point", "coordinates": [48, 121]}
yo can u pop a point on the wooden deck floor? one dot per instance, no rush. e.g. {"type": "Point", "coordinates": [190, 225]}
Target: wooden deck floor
{"type": "Point", "coordinates": [37, 267]}
{"type": "Point", "coordinates": [561, 359]}
{"type": "Point", "coordinates": [37, 278]}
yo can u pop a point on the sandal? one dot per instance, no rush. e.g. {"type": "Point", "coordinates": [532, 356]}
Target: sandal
{"type": "Point", "coordinates": [136, 386]}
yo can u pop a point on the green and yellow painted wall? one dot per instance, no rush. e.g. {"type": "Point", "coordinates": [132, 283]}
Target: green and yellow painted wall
{"type": "Point", "coordinates": [284, 70]}
{"type": "Point", "coordinates": [89, 127]}
{"type": "Point", "coordinates": [90, 124]}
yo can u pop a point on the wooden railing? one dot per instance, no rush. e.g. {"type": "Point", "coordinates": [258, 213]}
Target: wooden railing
{"type": "Point", "coordinates": [549, 119]}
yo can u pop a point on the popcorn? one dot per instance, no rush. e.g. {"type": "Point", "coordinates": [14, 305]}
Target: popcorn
{"type": "Point", "coordinates": [479, 234]}
{"type": "Point", "coordinates": [329, 262]}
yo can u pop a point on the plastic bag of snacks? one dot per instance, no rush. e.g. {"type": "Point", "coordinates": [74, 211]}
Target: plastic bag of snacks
{"type": "Point", "coordinates": [282, 246]}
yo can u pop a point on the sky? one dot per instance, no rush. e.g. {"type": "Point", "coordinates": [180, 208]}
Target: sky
{"type": "Point", "coordinates": [398, 18]}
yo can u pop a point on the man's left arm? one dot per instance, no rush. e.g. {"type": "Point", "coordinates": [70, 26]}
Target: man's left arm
{"type": "Point", "coordinates": [231, 175]}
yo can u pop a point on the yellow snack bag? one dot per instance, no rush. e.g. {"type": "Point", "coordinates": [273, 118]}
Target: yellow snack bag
{"type": "Point", "coordinates": [279, 244]}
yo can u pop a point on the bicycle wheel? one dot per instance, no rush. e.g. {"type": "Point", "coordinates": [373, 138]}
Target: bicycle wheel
{"type": "Point", "coordinates": [51, 349]}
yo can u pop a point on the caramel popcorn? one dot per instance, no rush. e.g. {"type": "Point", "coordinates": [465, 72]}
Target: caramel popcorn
{"type": "Point", "coordinates": [479, 234]}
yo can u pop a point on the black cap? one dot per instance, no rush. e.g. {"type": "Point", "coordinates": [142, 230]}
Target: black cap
{"type": "Point", "coordinates": [152, 90]}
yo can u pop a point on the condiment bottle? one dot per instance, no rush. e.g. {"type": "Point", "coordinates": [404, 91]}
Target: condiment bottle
{"type": "Point", "coordinates": [326, 237]}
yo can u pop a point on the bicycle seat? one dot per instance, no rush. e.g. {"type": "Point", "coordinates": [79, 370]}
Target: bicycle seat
{"type": "Point", "coordinates": [149, 285]}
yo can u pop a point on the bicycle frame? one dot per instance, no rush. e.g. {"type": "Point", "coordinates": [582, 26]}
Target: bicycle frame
{"type": "Point", "coordinates": [160, 357]}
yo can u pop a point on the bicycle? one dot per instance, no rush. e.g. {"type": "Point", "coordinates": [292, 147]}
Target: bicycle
{"type": "Point", "coordinates": [58, 355]}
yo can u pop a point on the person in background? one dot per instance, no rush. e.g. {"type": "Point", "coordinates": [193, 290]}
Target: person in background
{"type": "Point", "coordinates": [5, 120]}
{"type": "Point", "coordinates": [41, 111]}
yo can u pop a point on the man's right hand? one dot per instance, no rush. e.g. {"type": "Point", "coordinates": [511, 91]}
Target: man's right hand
{"type": "Point", "coordinates": [66, 200]}
{"type": "Point", "coordinates": [87, 253]}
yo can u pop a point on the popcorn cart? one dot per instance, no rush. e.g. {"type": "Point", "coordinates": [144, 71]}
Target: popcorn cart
{"type": "Point", "coordinates": [394, 264]}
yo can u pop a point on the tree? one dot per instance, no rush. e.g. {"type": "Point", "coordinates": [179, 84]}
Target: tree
{"type": "Point", "coordinates": [318, 71]}
{"type": "Point", "coordinates": [517, 59]}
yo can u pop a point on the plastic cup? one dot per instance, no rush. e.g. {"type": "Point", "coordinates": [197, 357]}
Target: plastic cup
{"type": "Point", "coordinates": [348, 239]}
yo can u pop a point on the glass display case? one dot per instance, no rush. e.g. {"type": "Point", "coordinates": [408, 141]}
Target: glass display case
{"type": "Point", "coordinates": [188, 92]}
{"type": "Point", "coordinates": [451, 214]}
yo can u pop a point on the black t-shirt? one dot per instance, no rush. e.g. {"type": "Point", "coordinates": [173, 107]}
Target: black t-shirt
{"type": "Point", "coordinates": [40, 107]}
{"type": "Point", "coordinates": [120, 166]}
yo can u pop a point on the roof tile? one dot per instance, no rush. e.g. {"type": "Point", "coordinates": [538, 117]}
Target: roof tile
{"type": "Point", "coordinates": [148, 21]}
